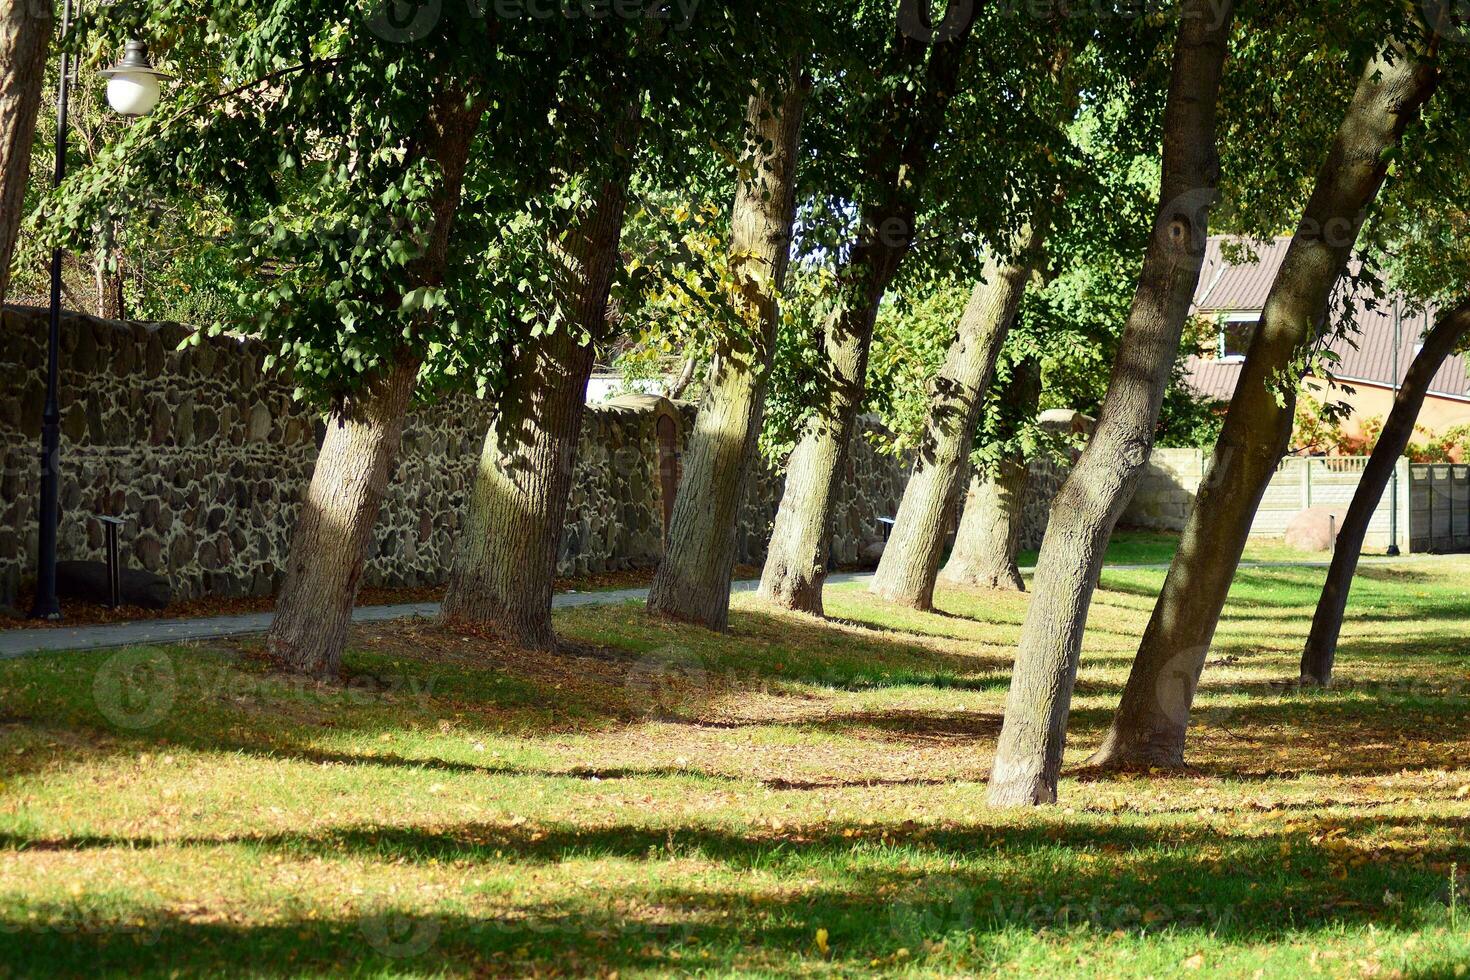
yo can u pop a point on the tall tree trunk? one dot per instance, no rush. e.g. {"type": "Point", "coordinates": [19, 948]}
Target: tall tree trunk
{"type": "Point", "coordinates": [1029, 754]}
{"type": "Point", "coordinates": [25, 34]}
{"type": "Point", "coordinates": [893, 179]}
{"type": "Point", "coordinates": [109, 282]}
{"type": "Point", "coordinates": [328, 549]}
{"type": "Point", "coordinates": [1153, 715]}
{"type": "Point", "coordinates": [910, 561]}
{"type": "Point", "coordinates": [1321, 647]}
{"type": "Point", "coordinates": [693, 580]}
{"type": "Point", "coordinates": [989, 535]}
{"type": "Point", "coordinates": [505, 566]}
{"type": "Point", "coordinates": [329, 546]}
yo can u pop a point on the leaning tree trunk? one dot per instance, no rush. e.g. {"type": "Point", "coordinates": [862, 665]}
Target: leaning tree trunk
{"type": "Point", "coordinates": [505, 566]}
{"type": "Point", "coordinates": [1439, 344]}
{"type": "Point", "coordinates": [894, 174]}
{"type": "Point", "coordinates": [1029, 754]}
{"type": "Point", "coordinates": [1153, 715]}
{"type": "Point", "coordinates": [328, 549]}
{"type": "Point", "coordinates": [910, 561]}
{"type": "Point", "coordinates": [989, 535]}
{"type": "Point", "coordinates": [25, 33]}
{"type": "Point", "coordinates": [693, 580]}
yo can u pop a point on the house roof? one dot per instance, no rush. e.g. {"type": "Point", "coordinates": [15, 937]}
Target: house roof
{"type": "Point", "coordinates": [1365, 356]}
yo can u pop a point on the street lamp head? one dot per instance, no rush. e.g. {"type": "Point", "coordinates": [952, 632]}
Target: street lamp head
{"type": "Point", "coordinates": [133, 83]}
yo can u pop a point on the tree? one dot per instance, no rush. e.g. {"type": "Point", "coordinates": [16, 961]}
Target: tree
{"type": "Point", "coordinates": [693, 580]}
{"type": "Point", "coordinates": [903, 126]}
{"type": "Point", "coordinates": [653, 95]}
{"type": "Point", "coordinates": [911, 557]}
{"type": "Point", "coordinates": [1149, 727]}
{"type": "Point", "coordinates": [328, 549]}
{"type": "Point", "coordinates": [505, 565]}
{"type": "Point", "coordinates": [25, 34]}
{"type": "Point", "coordinates": [1029, 753]}
{"type": "Point", "coordinates": [984, 552]}
{"type": "Point", "coordinates": [341, 171]}
{"type": "Point", "coordinates": [1449, 331]}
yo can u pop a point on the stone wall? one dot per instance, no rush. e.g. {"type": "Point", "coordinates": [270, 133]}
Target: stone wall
{"type": "Point", "coordinates": [871, 487]}
{"type": "Point", "coordinates": [1166, 489]}
{"type": "Point", "coordinates": [1044, 477]}
{"type": "Point", "coordinates": [205, 455]}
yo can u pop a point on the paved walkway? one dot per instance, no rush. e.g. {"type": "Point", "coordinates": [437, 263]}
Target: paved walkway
{"type": "Point", "coordinates": [26, 642]}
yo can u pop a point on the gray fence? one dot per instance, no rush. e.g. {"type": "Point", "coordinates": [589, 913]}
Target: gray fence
{"type": "Point", "coordinates": [1432, 500]}
{"type": "Point", "coordinates": [1439, 507]}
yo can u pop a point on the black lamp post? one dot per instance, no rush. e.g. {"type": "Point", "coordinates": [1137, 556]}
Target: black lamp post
{"type": "Point", "coordinates": [132, 89]}
{"type": "Point", "coordinates": [1393, 497]}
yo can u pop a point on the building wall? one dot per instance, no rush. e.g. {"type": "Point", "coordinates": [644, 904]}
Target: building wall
{"type": "Point", "coordinates": [1368, 401]}
{"type": "Point", "coordinates": [205, 455]}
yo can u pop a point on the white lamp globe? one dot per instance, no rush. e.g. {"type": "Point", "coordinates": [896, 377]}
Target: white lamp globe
{"type": "Point", "coordinates": [133, 93]}
{"type": "Point", "coordinates": [133, 83]}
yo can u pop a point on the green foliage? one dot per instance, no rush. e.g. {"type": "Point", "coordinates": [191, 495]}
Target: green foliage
{"type": "Point", "coordinates": [798, 369]}
{"type": "Point", "coordinates": [1450, 446]}
{"type": "Point", "coordinates": [910, 339]}
{"type": "Point", "coordinates": [309, 124]}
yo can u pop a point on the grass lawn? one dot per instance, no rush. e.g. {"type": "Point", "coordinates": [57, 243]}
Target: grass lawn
{"type": "Point", "coordinates": [1157, 548]}
{"type": "Point", "coordinates": [797, 797]}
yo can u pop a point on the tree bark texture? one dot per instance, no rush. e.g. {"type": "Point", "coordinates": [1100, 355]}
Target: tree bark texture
{"type": "Point", "coordinates": [910, 562]}
{"type": "Point", "coordinates": [693, 580]}
{"type": "Point", "coordinates": [989, 535]}
{"type": "Point", "coordinates": [1321, 648]}
{"type": "Point", "coordinates": [505, 565]}
{"type": "Point", "coordinates": [1029, 754]}
{"type": "Point", "coordinates": [893, 179]}
{"type": "Point", "coordinates": [25, 36]}
{"type": "Point", "coordinates": [328, 548]}
{"type": "Point", "coordinates": [1153, 715]}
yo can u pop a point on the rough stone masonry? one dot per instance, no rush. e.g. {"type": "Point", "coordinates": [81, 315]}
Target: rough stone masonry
{"type": "Point", "coordinates": [204, 453]}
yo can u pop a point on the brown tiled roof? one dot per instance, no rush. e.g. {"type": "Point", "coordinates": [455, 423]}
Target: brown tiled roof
{"type": "Point", "coordinates": [1226, 288]}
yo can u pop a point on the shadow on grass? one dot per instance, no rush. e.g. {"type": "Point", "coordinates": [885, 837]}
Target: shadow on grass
{"type": "Point", "coordinates": [940, 893]}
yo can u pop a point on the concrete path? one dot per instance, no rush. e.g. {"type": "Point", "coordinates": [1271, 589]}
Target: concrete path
{"type": "Point", "coordinates": [26, 642]}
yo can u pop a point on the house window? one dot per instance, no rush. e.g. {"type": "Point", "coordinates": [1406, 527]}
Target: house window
{"type": "Point", "coordinates": [1236, 332]}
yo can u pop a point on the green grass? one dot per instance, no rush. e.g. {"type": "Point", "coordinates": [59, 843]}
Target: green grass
{"type": "Point", "coordinates": [1157, 548]}
{"type": "Point", "coordinates": [796, 797]}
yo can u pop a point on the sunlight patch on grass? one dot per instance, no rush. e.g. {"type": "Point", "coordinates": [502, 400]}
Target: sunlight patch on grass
{"type": "Point", "coordinates": [665, 799]}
